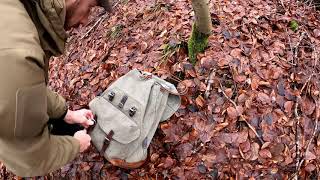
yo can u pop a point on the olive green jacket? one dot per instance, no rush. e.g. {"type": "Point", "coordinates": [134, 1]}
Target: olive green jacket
{"type": "Point", "coordinates": [29, 34]}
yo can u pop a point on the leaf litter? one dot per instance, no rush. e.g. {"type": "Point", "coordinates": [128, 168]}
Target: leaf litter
{"type": "Point", "coordinates": [255, 117]}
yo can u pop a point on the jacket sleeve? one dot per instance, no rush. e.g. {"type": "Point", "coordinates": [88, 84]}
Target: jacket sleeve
{"type": "Point", "coordinates": [27, 149]}
{"type": "Point", "coordinates": [56, 105]}
{"type": "Point", "coordinates": [38, 156]}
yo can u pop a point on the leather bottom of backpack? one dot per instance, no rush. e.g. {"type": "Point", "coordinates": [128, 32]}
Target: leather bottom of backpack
{"type": "Point", "coordinates": [123, 164]}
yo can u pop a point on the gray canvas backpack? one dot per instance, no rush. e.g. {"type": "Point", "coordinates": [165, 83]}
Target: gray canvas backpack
{"type": "Point", "coordinates": [128, 114]}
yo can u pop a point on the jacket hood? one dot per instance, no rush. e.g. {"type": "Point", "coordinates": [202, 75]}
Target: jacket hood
{"type": "Point", "coordinates": [52, 14]}
{"type": "Point", "coordinates": [49, 17]}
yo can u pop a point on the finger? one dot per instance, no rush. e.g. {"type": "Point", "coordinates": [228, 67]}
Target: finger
{"type": "Point", "coordinates": [89, 122]}
{"type": "Point", "coordinates": [89, 114]}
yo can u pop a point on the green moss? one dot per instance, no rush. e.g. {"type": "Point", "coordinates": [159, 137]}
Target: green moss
{"type": "Point", "coordinates": [197, 43]}
{"type": "Point", "coordinates": [115, 31]}
{"type": "Point", "coordinates": [294, 25]}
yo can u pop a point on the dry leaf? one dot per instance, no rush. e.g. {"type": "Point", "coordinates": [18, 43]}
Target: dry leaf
{"type": "Point", "coordinates": [265, 153]}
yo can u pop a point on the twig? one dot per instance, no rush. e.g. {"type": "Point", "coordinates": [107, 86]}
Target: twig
{"type": "Point", "coordinates": [306, 83]}
{"type": "Point", "coordinates": [297, 117]}
{"type": "Point", "coordinates": [106, 55]}
{"type": "Point", "coordinates": [242, 118]}
{"type": "Point", "coordinates": [97, 23]}
{"type": "Point", "coordinates": [296, 48]}
{"type": "Point", "coordinates": [315, 129]}
{"type": "Point", "coordinates": [281, 2]}
{"type": "Point", "coordinates": [210, 82]}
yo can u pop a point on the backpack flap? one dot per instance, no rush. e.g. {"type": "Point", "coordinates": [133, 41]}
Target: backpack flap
{"type": "Point", "coordinates": [112, 117]}
{"type": "Point", "coordinates": [173, 104]}
{"type": "Point", "coordinates": [174, 99]}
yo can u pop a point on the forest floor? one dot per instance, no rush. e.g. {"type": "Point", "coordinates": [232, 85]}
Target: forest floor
{"type": "Point", "coordinates": [250, 106]}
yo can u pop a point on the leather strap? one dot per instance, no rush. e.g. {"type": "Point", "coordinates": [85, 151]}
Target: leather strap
{"type": "Point", "coordinates": [106, 142]}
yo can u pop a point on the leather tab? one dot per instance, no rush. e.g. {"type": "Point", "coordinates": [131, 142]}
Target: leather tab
{"type": "Point", "coordinates": [106, 142]}
{"type": "Point", "coordinates": [123, 101]}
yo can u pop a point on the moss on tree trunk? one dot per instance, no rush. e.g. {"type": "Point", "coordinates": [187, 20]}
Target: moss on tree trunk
{"type": "Point", "coordinates": [201, 29]}
{"type": "Point", "coordinates": [197, 43]}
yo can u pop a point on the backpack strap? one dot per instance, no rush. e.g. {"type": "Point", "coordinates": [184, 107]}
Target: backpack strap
{"type": "Point", "coordinates": [106, 142]}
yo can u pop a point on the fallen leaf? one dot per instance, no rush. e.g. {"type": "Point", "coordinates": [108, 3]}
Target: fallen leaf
{"type": "Point", "coordinates": [254, 151]}
{"type": "Point", "coordinates": [200, 101]}
{"type": "Point", "coordinates": [310, 156]}
{"type": "Point", "coordinates": [232, 112]}
{"type": "Point", "coordinates": [263, 98]}
{"type": "Point", "coordinates": [310, 167]}
{"type": "Point", "coordinates": [265, 153]}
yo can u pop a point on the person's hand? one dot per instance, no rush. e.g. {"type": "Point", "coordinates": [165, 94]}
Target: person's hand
{"type": "Point", "coordinates": [83, 138]}
{"type": "Point", "coordinates": [82, 117]}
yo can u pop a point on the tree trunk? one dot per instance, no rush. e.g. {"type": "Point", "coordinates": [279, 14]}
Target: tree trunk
{"type": "Point", "coordinates": [201, 29]}
{"type": "Point", "coordinates": [203, 17]}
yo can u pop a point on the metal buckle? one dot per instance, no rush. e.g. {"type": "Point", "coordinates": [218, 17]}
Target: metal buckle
{"type": "Point", "coordinates": [132, 111]}
{"type": "Point", "coordinates": [111, 95]}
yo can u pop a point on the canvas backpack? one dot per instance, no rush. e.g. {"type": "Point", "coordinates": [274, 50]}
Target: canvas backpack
{"type": "Point", "coordinates": [128, 114]}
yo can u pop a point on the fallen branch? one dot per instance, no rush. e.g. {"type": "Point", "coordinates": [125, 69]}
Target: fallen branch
{"type": "Point", "coordinates": [242, 118]}
{"type": "Point", "coordinates": [282, 4]}
{"type": "Point", "coordinates": [306, 83]}
{"type": "Point", "coordinates": [297, 124]}
{"type": "Point", "coordinates": [106, 55]}
{"type": "Point", "coordinates": [210, 82]}
{"type": "Point", "coordinates": [97, 23]}
{"type": "Point", "coordinates": [315, 129]}
{"type": "Point", "coordinates": [297, 118]}
{"type": "Point", "coordinates": [296, 47]}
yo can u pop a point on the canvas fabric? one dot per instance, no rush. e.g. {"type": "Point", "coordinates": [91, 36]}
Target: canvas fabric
{"type": "Point", "coordinates": [154, 100]}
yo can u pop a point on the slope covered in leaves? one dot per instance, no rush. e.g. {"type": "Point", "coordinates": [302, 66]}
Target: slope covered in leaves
{"type": "Point", "coordinates": [250, 106]}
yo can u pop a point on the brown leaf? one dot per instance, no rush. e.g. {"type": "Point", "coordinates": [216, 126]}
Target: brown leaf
{"type": "Point", "coordinates": [255, 151]}
{"type": "Point", "coordinates": [85, 166]}
{"type": "Point", "coordinates": [242, 98]}
{"type": "Point", "coordinates": [223, 62]}
{"type": "Point", "coordinates": [240, 78]}
{"type": "Point", "coordinates": [232, 112]}
{"type": "Point", "coordinates": [288, 107]}
{"type": "Point", "coordinates": [154, 157]}
{"type": "Point", "coordinates": [234, 43]}
{"type": "Point", "coordinates": [200, 101]}
{"type": "Point", "coordinates": [234, 138]}
{"type": "Point", "coordinates": [310, 156]}
{"type": "Point", "coordinates": [169, 162]}
{"type": "Point", "coordinates": [220, 126]}
{"type": "Point", "coordinates": [95, 81]}
{"type": "Point", "coordinates": [240, 110]}
{"type": "Point", "coordinates": [236, 53]}
{"type": "Point", "coordinates": [308, 106]}
{"type": "Point", "coordinates": [265, 153]}
{"type": "Point", "coordinates": [229, 92]}
{"type": "Point", "coordinates": [310, 167]}
{"type": "Point", "coordinates": [263, 98]}
{"type": "Point", "coordinates": [207, 62]}
{"type": "Point", "coordinates": [254, 83]}
{"type": "Point", "coordinates": [245, 147]}
{"type": "Point", "coordinates": [316, 33]}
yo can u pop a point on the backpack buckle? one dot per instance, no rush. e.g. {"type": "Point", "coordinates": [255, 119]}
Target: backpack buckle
{"type": "Point", "coordinates": [132, 111]}
{"type": "Point", "coordinates": [111, 95]}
